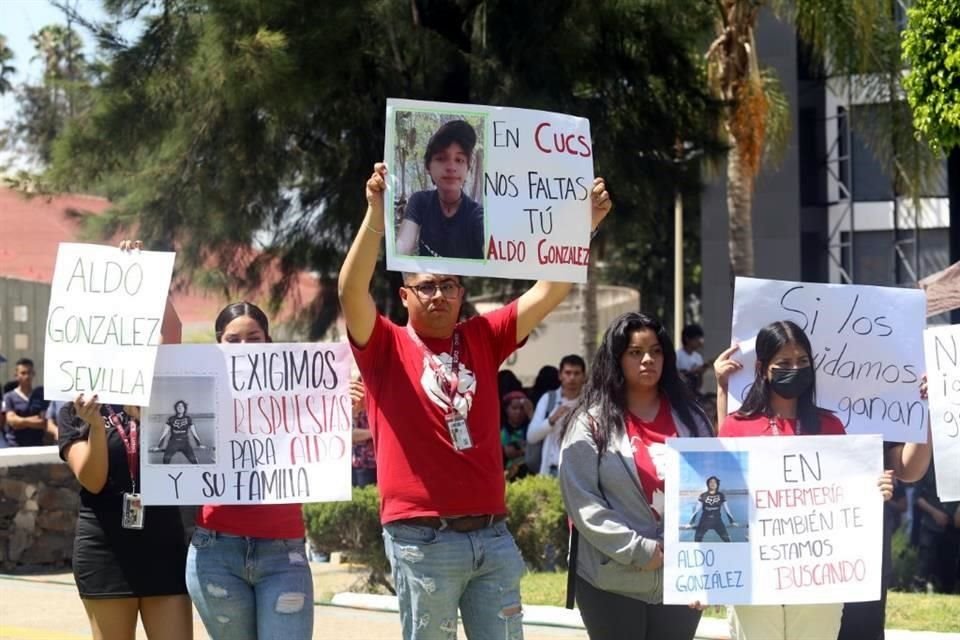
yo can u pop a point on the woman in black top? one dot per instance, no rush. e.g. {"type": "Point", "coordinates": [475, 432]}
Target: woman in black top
{"type": "Point", "coordinates": [176, 435]}
{"type": "Point", "coordinates": [710, 504]}
{"type": "Point", "coordinates": [444, 222]}
{"type": "Point", "coordinates": [122, 571]}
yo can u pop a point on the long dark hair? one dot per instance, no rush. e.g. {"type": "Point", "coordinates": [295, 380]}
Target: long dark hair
{"type": "Point", "coordinates": [770, 340]}
{"type": "Point", "coordinates": [605, 394]}
{"type": "Point", "coordinates": [548, 379]}
{"type": "Point", "coordinates": [238, 310]}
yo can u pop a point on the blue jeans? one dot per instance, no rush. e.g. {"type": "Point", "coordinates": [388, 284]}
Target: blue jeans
{"type": "Point", "coordinates": [435, 572]}
{"type": "Point", "coordinates": [250, 588]}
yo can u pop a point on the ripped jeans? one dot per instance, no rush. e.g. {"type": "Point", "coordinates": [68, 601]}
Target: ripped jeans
{"type": "Point", "coordinates": [435, 572]}
{"type": "Point", "coordinates": [250, 588]}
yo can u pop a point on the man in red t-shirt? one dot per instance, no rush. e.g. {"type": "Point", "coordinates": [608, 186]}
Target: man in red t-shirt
{"type": "Point", "coordinates": [433, 409]}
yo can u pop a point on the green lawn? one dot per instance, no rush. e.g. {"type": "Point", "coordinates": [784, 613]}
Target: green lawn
{"type": "Point", "coordinates": [911, 611]}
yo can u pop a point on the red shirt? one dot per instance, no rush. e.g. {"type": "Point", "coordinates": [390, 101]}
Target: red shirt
{"type": "Point", "coordinates": [255, 520]}
{"type": "Point", "coordinates": [647, 441]}
{"type": "Point", "coordinates": [736, 427]}
{"type": "Point", "coordinates": [419, 471]}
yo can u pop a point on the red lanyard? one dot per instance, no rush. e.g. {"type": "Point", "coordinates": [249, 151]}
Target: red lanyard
{"type": "Point", "coordinates": [452, 378]}
{"type": "Point", "coordinates": [130, 443]}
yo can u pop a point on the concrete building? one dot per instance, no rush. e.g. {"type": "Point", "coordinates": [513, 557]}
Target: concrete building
{"type": "Point", "coordinates": [827, 213]}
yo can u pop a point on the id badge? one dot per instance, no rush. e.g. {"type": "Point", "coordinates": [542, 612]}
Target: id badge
{"type": "Point", "coordinates": [132, 511]}
{"type": "Point", "coordinates": [459, 433]}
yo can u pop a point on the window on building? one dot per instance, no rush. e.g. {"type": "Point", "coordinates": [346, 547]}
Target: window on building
{"type": "Point", "coordinates": [878, 262]}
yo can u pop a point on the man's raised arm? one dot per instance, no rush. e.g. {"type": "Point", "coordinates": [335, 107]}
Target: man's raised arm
{"type": "Point", "coordinates": [543, 297]}
{"type": "Point", "coordinates": [359, 309]}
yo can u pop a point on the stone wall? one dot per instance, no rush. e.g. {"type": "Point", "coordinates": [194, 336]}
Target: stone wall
{"type": "Point", "coordinates": [38, 514]}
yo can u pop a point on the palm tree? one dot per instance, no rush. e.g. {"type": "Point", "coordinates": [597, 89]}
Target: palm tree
{"type": "Point", "coordinates": [6, 69]}
{"type": "Point", "coordinates": [856, 40]}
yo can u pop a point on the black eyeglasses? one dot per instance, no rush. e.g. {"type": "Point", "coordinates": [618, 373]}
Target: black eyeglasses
{"type": "Point", "coordinates": [448, 289]}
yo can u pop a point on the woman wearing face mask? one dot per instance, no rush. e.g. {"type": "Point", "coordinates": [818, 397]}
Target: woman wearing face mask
{"type": "Point", "coordinates": [782, 402]}
{"type": "Point", "coordinates": [247, 568]}
{"type": "Point", "coordinates": [612, 478]}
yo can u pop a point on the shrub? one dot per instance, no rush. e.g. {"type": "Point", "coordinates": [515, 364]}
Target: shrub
{"type": "Point", "coordinates": [904, 559]}
{"type": "Point", "coordinates": [353, 528]}
{"type": "Point", "coordinates": [538, 521]}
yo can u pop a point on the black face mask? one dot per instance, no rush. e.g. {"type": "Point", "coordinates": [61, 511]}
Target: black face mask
{"type": "Point", "coordinates": [791, 383]}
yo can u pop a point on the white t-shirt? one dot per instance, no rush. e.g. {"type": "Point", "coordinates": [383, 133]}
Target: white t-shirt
{"type": "Point", "coordinates": [540, 429]}
{"type": "Point", "coordinates": [688, 361]}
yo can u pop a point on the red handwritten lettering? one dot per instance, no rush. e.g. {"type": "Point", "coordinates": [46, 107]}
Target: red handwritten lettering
{"type": "Point", "coordinates": [575, 145]}
{"type": "Point", "coordinates": [562, 254]}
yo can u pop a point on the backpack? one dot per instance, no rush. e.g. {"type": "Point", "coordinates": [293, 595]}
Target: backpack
{"type": "Point", "coordinates": [533, 454]}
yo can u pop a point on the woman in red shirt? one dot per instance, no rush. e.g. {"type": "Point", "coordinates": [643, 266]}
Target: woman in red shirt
{"type": "Point", "coordinates": [612, 466]}
{"type": "Point", "coordinates": [247, 570]}
{"type": "Point", "coordinates": [782, 401]}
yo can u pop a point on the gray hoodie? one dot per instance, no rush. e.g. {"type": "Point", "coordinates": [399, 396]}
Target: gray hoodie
{"type": "Point", "coordinates": [618, 530]}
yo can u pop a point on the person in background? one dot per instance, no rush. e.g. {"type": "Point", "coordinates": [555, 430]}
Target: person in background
{"type": "Point", "coordinates": [553, 407]}
{"type": "Point", "coordinates": [513, 434]}
{"type": "Point", "coordinates": [782, 402]}
{"type": "Point", "coordinates": [936, 564]}
{"type": "Point", "coordinates": [548, 379]}
{"type": "Point", "coordinates": [689, 359]}
{"type": "Point", "coordinates": [3, 417]}
{"type": "Point", "coordinates": [364, 460]}
{"type": "Point", "coordinates": [25, 409]}
{"type": "Point", "coordinates": [124, 567]}
{"type": "Point", "coordinates": [507, 381]}
{"type": "Point", "coordinates": [247, 568]}
{"type": "Point", "coordinates": [53, 410]}
{"type": "Point", "coordinates": [612, 470]}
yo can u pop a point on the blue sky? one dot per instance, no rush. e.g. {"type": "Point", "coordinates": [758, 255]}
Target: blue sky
{"type": "Point", "coordinates": [19, 19]}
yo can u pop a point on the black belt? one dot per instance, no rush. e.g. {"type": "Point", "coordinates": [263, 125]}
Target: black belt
{"type": "Point", "coordinates": [463, 524]}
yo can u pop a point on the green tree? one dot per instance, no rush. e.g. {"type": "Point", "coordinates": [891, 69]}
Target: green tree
{"type": "Point", "coordinates": [6, 69]}
{"type": "Point", "coordinates": [849, 37]}
{"type": "Point", "coordinates": [931, 49]}
{"type": "Point", "coordinates": [44, 109]}
{"type": "Point", "coordinates": [226, 122]}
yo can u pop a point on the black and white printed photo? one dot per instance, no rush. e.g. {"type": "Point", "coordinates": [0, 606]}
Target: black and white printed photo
{"type": "Point", "coordinates": [180, 426]}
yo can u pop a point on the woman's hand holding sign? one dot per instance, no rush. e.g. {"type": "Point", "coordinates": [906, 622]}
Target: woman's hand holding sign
{"type": "Point", "coordinates": [88, 410]}
{"type": "Point", "coordinates": [886, 484]}
{"type": "Point", "coordinates": [601, 203]}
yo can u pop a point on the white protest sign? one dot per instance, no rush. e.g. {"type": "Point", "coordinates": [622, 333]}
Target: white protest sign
{"type": "Point", "coordinates": [515, 206]}
{"type": "Point", "coordinates": [103, 324]}
{"type": "Point", "coordinates": [248, 424]}
{"type": "Point", "coordinates": [791, 520]}
{"type": "Point", "coordinates": [867, 349]}
{"type": "Point", "coordinates": [942, 346]}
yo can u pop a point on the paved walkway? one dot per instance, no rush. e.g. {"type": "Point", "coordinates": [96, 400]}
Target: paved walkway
{"type": "Point", "coordinates": [47, 608]}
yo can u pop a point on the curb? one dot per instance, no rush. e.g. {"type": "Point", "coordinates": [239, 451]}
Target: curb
{"type": "Point", "coordinates": [548, 616]}
{"type": "Point", "coordinates": [533, 614]}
